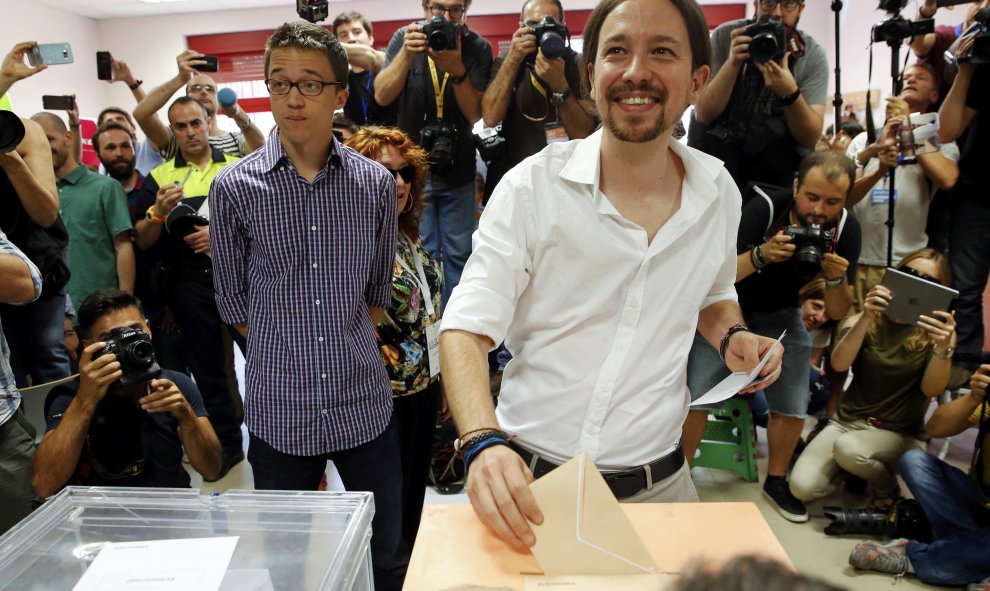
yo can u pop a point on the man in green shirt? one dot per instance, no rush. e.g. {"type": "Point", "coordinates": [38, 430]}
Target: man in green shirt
{"type": "Point", "coordinates": [94, 209]}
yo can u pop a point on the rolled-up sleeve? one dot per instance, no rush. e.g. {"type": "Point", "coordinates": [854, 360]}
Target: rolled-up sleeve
{"type": "Point", "coordinates": [230, 248]}
{"type": "Point", "coordinates": [378, 291]}
{"type": "Point", "coordinates": [498, 270]}
{"type": "Point", "coordinates": [8, 247]}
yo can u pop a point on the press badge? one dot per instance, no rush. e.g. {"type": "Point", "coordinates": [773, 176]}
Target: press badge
{"type": "Point", "coordinates": [881, 196]}
{"type": "Point", "coordinates": [433, 344]}
{"type": "Point", "coordinates": [555, 132]}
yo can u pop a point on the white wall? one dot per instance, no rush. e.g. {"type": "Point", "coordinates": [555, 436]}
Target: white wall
{"type": "Point", "coordinates": [24, 20]}
{"type": "Point", "coordinates": [150, 44]}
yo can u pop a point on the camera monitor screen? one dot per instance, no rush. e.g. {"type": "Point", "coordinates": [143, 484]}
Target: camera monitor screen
{"type": "Point", "coordinates": [914, 296]}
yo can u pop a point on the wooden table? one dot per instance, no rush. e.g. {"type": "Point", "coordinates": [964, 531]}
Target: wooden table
{"type": "Point", "coordinates": [453, 547]}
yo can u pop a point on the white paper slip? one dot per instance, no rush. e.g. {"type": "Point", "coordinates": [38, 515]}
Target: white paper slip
{"type": "Point", "coordinates": [737, 381]}
{"type": "Point", "coordinates": [197, 564]}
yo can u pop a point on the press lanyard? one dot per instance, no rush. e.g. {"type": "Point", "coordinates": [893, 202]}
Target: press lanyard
{"type": "Point", "coordinates": [437, 87]}
{"type": "Point", "coordinates": [536, 84]}
{"type": "Point", "coordinates": [421, 279]}
{"type": "Point", "coordinates": [364, 99]}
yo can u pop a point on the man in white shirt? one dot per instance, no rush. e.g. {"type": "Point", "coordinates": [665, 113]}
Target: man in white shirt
{"type": "Point", "coordinates": [596, 260]}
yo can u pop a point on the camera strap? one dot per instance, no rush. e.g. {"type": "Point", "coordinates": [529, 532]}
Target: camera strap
{"type": "Point", "coordinates": [438, 88]}
{"type": "Point", "coordinates": [543, 92]}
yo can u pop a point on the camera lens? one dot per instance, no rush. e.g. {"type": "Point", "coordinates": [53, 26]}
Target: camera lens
{"type": "Point", "coordinates": [11, 131]}
{"type": "Point", "coordinates": [763, 47]}
{"type": "Point", "coordinates": [552, 45]}
{"type": "Point", "coordinates": [142, 352]}
{"type": "Point", "coordinates": [437, 41]}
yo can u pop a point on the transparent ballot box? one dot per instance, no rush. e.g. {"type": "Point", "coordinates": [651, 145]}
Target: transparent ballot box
{"type": "Point", "coordinates": [285, 540]}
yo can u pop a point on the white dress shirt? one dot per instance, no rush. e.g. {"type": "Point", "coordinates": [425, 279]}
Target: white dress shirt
{"type": "Point", "coordinates": [599, 320]}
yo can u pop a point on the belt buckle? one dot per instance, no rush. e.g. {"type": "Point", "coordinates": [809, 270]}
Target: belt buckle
{"type": "Point", "coordinates": [625, 484]}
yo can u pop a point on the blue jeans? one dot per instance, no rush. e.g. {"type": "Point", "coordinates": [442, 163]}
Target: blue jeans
{"type": "Point", "coordinates": [36, 335]}
{"type": "Point", "coordinates": [960, 554]}
{"type": "Point", "coordinates": [969, 243]}
{"type": "Point", "coordinates": [789, 394]}
{"type": "Point", "coordinates": [373, 466]}
{"type": "Point", "coordinates": [448, 221]}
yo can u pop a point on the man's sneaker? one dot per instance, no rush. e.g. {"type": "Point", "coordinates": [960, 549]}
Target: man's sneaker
{"type": "Point", "coordinates": [779, 493]}
{"type": "Point", "coordinates": [983, 585]}
{"type": "Point", "coordinates": [886, 558]}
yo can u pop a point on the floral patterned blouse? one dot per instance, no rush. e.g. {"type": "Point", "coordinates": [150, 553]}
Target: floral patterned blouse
{"type": "Point", "coordinates": [402, 335]}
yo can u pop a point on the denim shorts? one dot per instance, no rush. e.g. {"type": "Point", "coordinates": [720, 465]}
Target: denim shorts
{"type": "Point", "coordinates": [789, 394]}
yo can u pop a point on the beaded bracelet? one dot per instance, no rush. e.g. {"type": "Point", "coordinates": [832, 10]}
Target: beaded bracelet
{"type": "Point", "coordinates": [723, 345]}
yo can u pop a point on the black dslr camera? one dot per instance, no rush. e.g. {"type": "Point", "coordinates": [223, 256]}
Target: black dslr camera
{"type": "Point", "coordinates": [438, 139]}
{"type": "Point", "coordinates": [904, 519]}
{"type": "Point", "coordinates": [810, 242]}
{"type": "Point", "coordinates": [312, 10]}
{"type": "Point", "coordinates": [769, 39]}
{"type": "Point", "coordinates": [490, 142]}
{"type": "Point", "coordinates": [551, 37]}
{"type": "Point", "coordinates": [441, 34]}
{"type": "Point", "coordinates": [11, 131]}
{"type": "Point", "coordinates": [136, 355]}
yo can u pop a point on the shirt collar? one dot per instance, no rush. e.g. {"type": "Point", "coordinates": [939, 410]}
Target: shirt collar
{"type": "Point", "coordinates": [75, 176]}
{"type": "Point", "coordinates": [215, 154]}
{"type": "Point", "coordinates": [273, 153]}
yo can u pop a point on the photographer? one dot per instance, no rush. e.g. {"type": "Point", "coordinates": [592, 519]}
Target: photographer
{"type": "Point", "coordinates": [897, 370]}
{"type": "Point", "coordinates": [930, 48]}
{"type": "Point", "coordinates": [915, 181]}
{"type": "Point", "coordinates": [102, 432]}
{"type": "Point", "coordinates": [29, 216]}
{"type": "Point", "coordinates": [969, 230]}
{"type": "Point", "coordinates": [438, 71]}
{"type": "Point", "coordinates": [784, 241]}
{"type": "Point", "coordinates": [761, 110]}
{"type": "Point", "coordinates": [956, 504]}
{"type": "Point", "coordinates": [537, 98]}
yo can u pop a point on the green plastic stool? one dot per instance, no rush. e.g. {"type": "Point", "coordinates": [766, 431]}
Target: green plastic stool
{"type": "Point", "coordinates": [729, 442]}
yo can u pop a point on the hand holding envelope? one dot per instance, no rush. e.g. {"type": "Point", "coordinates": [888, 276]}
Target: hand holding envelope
{"type": "Point", "coordinates": [498, 486]}
{"type": "Point", "coordinates": [740, 382]}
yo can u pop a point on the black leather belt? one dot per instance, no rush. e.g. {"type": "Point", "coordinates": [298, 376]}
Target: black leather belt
{"type": "Point", "coordinates": [623, 484]}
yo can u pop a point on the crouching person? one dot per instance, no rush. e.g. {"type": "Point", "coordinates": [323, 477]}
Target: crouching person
{"type": "Point", "coordinates": [123, 421]}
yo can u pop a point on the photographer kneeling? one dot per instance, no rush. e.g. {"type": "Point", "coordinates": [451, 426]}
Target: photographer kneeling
{"type": "Point", "coordinates": [895, 375]}
{"type": "Point", "coordinates": [119, 423]}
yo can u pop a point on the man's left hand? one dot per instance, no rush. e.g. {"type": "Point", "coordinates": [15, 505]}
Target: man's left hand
{"type": "Point", "coordinates": [164, 396]}
{"type": "Point", "coordinates": [199, 241]}
{"type": "Point", "coordinates": [744, 353]}
{"type": "Point", "coordinates": [73, 113]}
{"type": "Point", "coordinates": [449, 60]}
{"type": "Point", "coordinates": [551, 71]}
{"type": "Point", "coordinates": [777, 77]}
{"type": "Point", "coordinates": [834, 266]}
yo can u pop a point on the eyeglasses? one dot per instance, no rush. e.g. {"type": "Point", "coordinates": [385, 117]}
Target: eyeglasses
{"type": "Point", "coordinates": [916, 273]}
{"type": "Point", "coordinates": [408, 172]}
{"type": "Point", "coordinates": [280, 87]}
{"type": "Point", "coordinates": [209, 88]}
{"type": "Point", "coordinates": [787, 5]}
{"type": "Point", "coordinates": [454, 11]}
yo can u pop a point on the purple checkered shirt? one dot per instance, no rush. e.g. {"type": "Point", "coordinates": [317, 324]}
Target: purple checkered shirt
{"type": "Point", "coordinates": [301, 263]}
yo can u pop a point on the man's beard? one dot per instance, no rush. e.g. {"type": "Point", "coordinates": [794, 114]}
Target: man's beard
{"type": "Point", "coordinates": [637, 134]}
{"type": "Point", "coordinates": [120, 169]}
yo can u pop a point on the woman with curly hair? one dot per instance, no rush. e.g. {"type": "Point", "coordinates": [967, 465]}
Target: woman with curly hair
{"type": "Point", "coordinates": [413, 314]}
{"type": "Point", "coordinates": [897, 369]}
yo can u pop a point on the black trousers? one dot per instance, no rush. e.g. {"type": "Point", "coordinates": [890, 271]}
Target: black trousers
{"type": "Point", "coordinates": [207, 349]}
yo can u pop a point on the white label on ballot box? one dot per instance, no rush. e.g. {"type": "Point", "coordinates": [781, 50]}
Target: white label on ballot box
{"type": "Point", "coordinates": [657, 582]}
{"type": "Point", "coordinates": [196, 564]}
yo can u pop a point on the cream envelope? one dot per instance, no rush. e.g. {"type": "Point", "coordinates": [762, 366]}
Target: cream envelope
{"type": "Point", "coordinates": [584, 530]}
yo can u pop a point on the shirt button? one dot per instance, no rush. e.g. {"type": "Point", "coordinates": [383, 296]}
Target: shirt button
{"type": "Point", "coordinates": [315, 265]}
{"type": "Point", "coordinates": [320, 339]}
{"type": "Point", "coordinates": [324, 411]}
{"type": "Point", "coordinates": [324, 376]}
{"type": "Point", "coordinates": [317, 302]}
{"type": "Point", "coordinates": [312, 228]}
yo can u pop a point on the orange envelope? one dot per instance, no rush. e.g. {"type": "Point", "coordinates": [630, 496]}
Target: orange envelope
{"type": "Point", "coordinates": [584, 530]}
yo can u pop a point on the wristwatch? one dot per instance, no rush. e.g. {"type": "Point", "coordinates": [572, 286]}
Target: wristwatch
{"type": "Point", "coordinates": [835, 282]}
{"type": "Point", "coordinates": [947, 354]}
{"type": "Point", "coordinates": [455, 80]}
{"type": "Point", "coordinates": [791, 98]}
{"type": "Point", "coordinates": [558, 98]}
{"type": "Point", "coordinates": [151, 217]}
